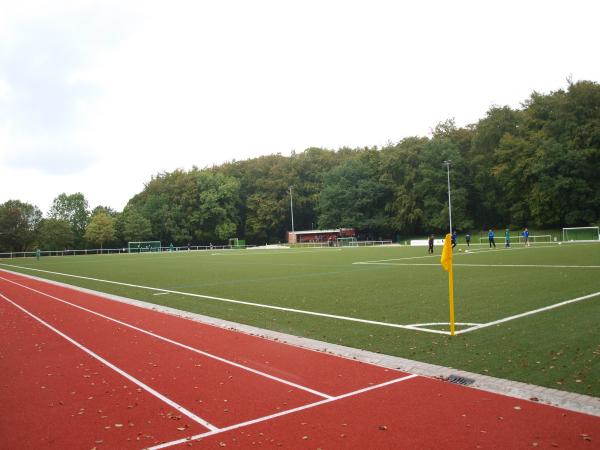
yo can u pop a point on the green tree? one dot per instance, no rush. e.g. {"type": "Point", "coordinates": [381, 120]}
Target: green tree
{"type": "Point", "coordinates": [100, 229]}
{"type": "Point", "coordinates": [353, 196]}
{"type": "Point", "coordinates": [18, 222]}
{"type": "Point", "coordinates": [134, 227]}
{"type": "Point", "coordinates": [54, 234]}
{"type": "Point", "coordinates": [74, 209]}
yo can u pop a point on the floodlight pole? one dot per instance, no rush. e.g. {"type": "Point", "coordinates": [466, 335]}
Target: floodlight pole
{"type": "Point", "coordinates": [292, 207]}
{"type": "Point", "coordinates": [447, 164]}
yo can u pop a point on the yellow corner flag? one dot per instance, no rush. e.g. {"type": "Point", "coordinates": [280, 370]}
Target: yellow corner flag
{"type": "Point", "coordinates": [446, 259]}
{"type": "Point", "coordinates": [446, 262]}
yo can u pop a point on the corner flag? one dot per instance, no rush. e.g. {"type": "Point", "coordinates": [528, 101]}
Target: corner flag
{"type": "Point", "coordinates": [446, 259]}
{"type": "Point", "coordinates": [446, 262]}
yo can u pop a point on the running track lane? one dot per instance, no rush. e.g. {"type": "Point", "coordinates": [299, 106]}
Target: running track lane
{"type": "Point", "coordinates": [417, 413]}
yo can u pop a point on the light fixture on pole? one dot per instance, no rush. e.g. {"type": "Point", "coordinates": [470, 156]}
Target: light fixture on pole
{"type": "Point", "coordinates": [447, 164]}
{"type": "Point", "coordinates": [292, 207]}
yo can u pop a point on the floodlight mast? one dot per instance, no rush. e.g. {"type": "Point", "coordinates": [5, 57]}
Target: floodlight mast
{"type": "Point", "coordinates": [292, 208]}
{"type": "Point", "coordinates": [447, 164]}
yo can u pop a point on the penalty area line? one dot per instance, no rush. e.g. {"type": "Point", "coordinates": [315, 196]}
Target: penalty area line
{"type": "Point", "coordinates": [279, 414]}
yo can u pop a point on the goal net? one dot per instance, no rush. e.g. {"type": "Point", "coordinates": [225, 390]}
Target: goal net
{"type": "Point", "coordinates": [581, 234]}
{"type": "Point", "coordinates": [237, 243]}
{"type": "Point", "coordinates": [347, 242]}
{"type": "Point", "coordinates": [540, 238]}
{"type": "Point", "coordinates": [143, 246]}
{"type": "Point", "coordinates": [518, 239]}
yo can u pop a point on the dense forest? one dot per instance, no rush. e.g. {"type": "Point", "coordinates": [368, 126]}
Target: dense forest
{"type": "Point", "coordinates": [535, 166]}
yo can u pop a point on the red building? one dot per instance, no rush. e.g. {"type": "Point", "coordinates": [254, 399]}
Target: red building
{"type": "Point", "coordinates": [295, 237]}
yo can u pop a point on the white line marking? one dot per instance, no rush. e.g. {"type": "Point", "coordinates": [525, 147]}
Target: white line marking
{"type": "Point", "coordinates": [470, 251]}
{"type": "Point", "coordinates": [240, 302]}
{"type": "Point", "coordinates": [161, 293]}
{"type": "Point", "coordinates": [179, 344]}
{"type": "Point", "coordinates": [528, 313]}
{"type": "Point", "coordinates": [142, 385]}
{"type": "Point", "coordinates": [549, 266]}
{"type": "Point", "coordinates": [442, 323]}
{"type": "Point", "coordinates": [279, 414]}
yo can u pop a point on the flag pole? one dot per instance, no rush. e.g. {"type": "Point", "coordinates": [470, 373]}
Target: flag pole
{"type": "Point", "coordinates": [451, 298]}
{"type": "Point", "coordinates": [446, 262]}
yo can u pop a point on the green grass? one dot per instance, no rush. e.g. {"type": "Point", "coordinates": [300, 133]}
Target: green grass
{"type": "Point", "coordinates": [558, 348]}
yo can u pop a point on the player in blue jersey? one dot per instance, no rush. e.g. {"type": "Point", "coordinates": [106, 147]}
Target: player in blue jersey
{"type": "Point", "coordinates": [453, 238]}
{"type": "Point", "coordinates": [525, 235]}
{"type": "Point", "coordinates": [491, 238]}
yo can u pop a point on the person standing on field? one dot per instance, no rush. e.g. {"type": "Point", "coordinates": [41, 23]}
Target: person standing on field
{"type": "Point", "coordinates": [454, 236]}
{"type": "Point", "coordinates": [430, 242]}
{"type": "Point", "coordinates": [468, 239]}
{"type": "Point", "coordinates": [491, 238]}
{"type": "Point", "coordinates": [507, 238]}
{"type": "Point", "coordinates": [526, 236]}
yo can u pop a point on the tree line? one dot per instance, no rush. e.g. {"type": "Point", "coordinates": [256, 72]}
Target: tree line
{"type": "Point", "coordinates": [534, 166]}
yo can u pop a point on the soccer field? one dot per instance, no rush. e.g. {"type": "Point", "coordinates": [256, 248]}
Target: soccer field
{"type": "Point", "coordinates": [527, 314]}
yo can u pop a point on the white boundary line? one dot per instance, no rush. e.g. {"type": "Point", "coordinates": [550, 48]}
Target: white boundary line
{"type": "Point", "coordinates": [279, 414]}
{"type": "Point", "coordinates": [480, 265]}
{"type": "Point", "coordinates": [179, 344]}
{"type": "Point", "coordinates": [468, 251]}
{"type": "Point", "coordinates": [240, 302]}
{"type": "Point", "coordinates": [528, 313]}
{"type": "Point", "coordinates": [121, 372]}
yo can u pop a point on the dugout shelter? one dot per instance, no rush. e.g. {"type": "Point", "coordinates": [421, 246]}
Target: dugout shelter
{"type": "Point", "coordinates": [297, 237]}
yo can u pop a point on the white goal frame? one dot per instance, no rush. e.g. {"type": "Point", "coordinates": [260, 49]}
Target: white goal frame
{"type": "Point", "coordinates": [566, 232]}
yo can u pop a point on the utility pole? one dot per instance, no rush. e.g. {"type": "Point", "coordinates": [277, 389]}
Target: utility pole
{"type": "Point", "coordinates": [447, 164]}
{"type": "Point", "coordinates": [292, 207]}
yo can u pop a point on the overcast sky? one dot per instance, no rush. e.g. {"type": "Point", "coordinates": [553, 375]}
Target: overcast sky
{"type": "Point", "coordinates": [97, 96]}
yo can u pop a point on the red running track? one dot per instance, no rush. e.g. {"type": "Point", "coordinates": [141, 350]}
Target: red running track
{"type": "Point", "coordinates": [82, 371]}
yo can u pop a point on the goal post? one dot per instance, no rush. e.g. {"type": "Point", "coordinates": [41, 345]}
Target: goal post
{"type": "Point", "coordinates": [539, 238]}
{"type": "Point", "coordinates": [237, 243]}
{"type": "Point", "coordinates": [347, 242]}
{"type": "Point", "coordinates": [143, 246]}
{"type": "Point", "coordinates": [581, 234]}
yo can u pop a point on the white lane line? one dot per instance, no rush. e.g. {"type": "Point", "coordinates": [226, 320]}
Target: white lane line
{"type": "Point", "coordinates": [121, 372]}
{"type": "Point", "coordinates": [528, 313]}
{"type": "Point", "coordinates": [279, 414]}
{"type": "Point", "coordinates": [179, 344]}
{"type": "Point", "coordinates": [161, 293]}
{"type": "Point", "coordinates": [239, 302]}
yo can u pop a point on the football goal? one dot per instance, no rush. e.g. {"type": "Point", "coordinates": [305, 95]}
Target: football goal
{"type": "Point", "coordinates": [518, 239]}
{"type": "Point", "coordinates": [539, 238]}
{"type": "Point", "coordinates": [237, 243]}
{"type": "Point", "coordinates": [347, 242]}
{"type": "Point", "coordinates": [143, 246]}
{"type": "Point", "coordinates": [574, 234]}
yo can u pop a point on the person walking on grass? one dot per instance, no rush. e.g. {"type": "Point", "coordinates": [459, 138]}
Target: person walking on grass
{"type": "Point", "coordinates": [507, 238]}
{"type": "Point", "coordinates": [468, 239]}
{"type": "Point", "coordinates": [430, 243]}
{"type": "Point", "coordinates": [491, 238]}
{"type": "Point", "coordinates": [454, 236]}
